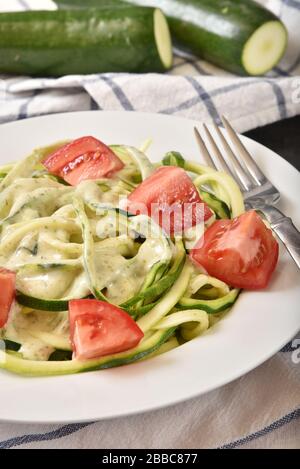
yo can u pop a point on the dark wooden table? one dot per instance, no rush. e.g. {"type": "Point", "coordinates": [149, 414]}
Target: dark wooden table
{"type": "Point", "coordinates": [283, 137]}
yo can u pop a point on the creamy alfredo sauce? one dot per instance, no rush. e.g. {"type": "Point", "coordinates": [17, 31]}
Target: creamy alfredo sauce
{"type": "Point", "coordinates": [41, 240]}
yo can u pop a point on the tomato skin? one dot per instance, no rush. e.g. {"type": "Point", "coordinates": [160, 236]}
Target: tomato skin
{"type": "Point", "coordinates": [241, 252]}
{"type": "Point", "coordinates": [81, 159]}
{"type": "Point", "coordinates": [7, 293]}
{"type": "Point", "coordinates": [164, 194]}
{"type": "Point", "coordinates": [98, 328]}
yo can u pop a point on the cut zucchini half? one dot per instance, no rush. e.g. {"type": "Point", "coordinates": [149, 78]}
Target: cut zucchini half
{"type": "Point", "coordinates": [163, 38]}
{"type": "Point", "coordinates": [264, 48]}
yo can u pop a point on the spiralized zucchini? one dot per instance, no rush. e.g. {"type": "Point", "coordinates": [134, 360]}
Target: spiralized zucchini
{"type": "Point", "coordinates": [69, 242]}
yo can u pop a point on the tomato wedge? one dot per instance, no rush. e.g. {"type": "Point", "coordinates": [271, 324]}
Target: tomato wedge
{"type": "Point", "coordinates": [98, 328]}
{"type": "Point", "coordinates": [81, 159]}
{"type": "Point", "coordinates": [7, 293]}
{"type": "Point", "coordinates": [170, 198]}
{"type": "Point", "coordinates": [242, 252]}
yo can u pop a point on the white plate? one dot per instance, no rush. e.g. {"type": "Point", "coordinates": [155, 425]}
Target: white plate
{"type": "Point", "coordinates": [257, 327]}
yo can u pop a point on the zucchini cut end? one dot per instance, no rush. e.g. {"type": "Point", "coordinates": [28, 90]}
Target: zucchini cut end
{"type": "Point", "coordinates": [163, 38]}
{"type": "Point", "coordinates": [265, 48]}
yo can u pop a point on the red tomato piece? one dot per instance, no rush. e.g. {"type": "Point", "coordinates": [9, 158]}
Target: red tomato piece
{"type": "Point", "coordinates": [7, 293]}
{"type": "Point", "coordinates": [170, 198]}
{"type": "Point", "coordinates": [241, 252]}
{"type": "Point", "coordinates": [81, 159]}
{"type": "Point", "coordinates": [98, 328]}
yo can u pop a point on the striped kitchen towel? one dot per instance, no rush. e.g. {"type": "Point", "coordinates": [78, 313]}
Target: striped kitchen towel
{"type": "Point", "coordinates": [193, 88]}
{"type": "Point", "coordinates": [260, 409]}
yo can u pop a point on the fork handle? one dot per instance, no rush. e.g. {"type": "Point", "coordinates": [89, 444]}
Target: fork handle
{"type": "Point", "coordinates": [284, 229]}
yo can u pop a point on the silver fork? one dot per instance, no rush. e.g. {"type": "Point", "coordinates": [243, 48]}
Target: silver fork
{"type": "Point", "coordinates": [259, 193]}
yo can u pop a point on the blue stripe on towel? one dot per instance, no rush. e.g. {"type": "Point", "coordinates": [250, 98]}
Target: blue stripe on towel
{"type": "Point", "coordinates": [282, 73]}
{"type": "Point", "coordinates": [180, 107]}
{"type": "Point", "coordinates": [206, 98]}
{"type": "Point", "coordinates": [290, 69]}
{"type": "Point", "coordinates": [295, 414]}
{"type": "Point", "coordinates": [23, 111]}
{"type": "Point", "coordinates": [280, 99]}
{"type": "Point", "coordinates": [235, 86]}
{"type": "Point", "coordinates": [291, 346]}
{"type": "Point", "coordinates": [53, 435]}
{"type": "Point", "coordinates": [119, 93]}
{"type": "Point", "coordinates": [292, 4]}
{"type": "Point", "coordinates": [288, 348]}
{"type": "Point", "coordinates": [72, 428]}
{"type": "Point", "coordinates": [193, 63]}
{"type": "Point", "coordinates": [198, 67]}
{"type": "Point", "coordinates": [94, 105]}
{"type": "Point", "coordinates": [195, 100]}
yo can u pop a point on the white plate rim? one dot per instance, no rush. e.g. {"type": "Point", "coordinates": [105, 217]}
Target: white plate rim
{"type": "Point", "coordinates": [115, 115]}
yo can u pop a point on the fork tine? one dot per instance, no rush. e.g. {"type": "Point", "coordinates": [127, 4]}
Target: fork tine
{"type": "Point", "coordinates": [203, 149]}
{"type": "Point", "coordinates": [240, 173]}
{"type": "Point", "coordinates": [222, 163]}
{"type": "Point", "coordinates": [244, 155]}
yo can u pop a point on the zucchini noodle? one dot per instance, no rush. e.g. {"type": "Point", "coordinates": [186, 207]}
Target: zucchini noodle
{"type": "Point", "coordinates": [230, 187]}
{"type": "Point", "coordinates": [186, 319]}
{"type": "Point", "coordinates": [203, 170]}
{"type": "Point", "coordinates": [67, 243]}
{"type": "Point", "coordinates": [88, 247]}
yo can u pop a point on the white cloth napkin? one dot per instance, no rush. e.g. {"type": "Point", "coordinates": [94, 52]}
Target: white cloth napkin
{"type": "Point", "coordinates": [262, 408]}
{"type": "Point", "coordinates": [193, 88]}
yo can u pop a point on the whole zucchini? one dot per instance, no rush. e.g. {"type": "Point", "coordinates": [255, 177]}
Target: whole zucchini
{"type": "Point", "coordinates": [238, 35]}
{"type": "Point", "coordinates": [53, 43]}
{"type": "Point", "coordinates": [79, 4]}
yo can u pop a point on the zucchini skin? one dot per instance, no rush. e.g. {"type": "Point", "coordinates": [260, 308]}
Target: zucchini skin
{"type": "Point", "coordinates": [221, 210]}
{"type": "Point", "coordinates": [159, 287]}
{"type": "Point", "coordinates": [215, 30]}
{"type": "Point", "coordinates": [210, 306]}
{"type": "Point", "coordinates": [43, 305]}
{"type": "Point", "coordinates": [11, 345]}
{"type": "Point", "coordinates": [54, 43]}
{"type": "Point", "coordinates": [63, 367]}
